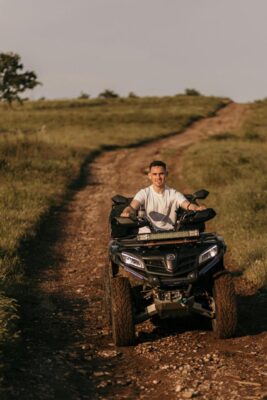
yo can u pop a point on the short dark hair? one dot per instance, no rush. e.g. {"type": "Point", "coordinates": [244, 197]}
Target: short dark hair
{"type": "Point", "coordinates": [157, 163]}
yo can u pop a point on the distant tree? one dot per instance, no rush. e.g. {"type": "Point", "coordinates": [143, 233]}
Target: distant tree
{"type": "Point", "coordinates": [13, 80]}
{"type": "Point", "coordinates": [84, 96]}
{"type": "Point", "coordinates": [132, 95]}
{"type": "Point", "coordinates": [108, 94]}
{"type": "Point", "coordinates": [192, 92]}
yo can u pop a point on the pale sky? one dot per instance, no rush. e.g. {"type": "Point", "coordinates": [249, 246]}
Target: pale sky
{"type": "Point", "coordinates": [150, 47]}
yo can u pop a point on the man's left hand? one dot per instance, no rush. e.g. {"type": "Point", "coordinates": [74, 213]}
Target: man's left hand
{"type": "Point", "coordinates": [201, 208]}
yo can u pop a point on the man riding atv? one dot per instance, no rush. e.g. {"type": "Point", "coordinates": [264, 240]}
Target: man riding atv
{"type": "Point", "coordinates": [159, 200]}
{"type": "Point", "coordinates": [162, 262]}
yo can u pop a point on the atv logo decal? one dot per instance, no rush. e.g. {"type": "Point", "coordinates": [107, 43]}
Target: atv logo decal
{"type": "Point", "coordinates": [171, 262]}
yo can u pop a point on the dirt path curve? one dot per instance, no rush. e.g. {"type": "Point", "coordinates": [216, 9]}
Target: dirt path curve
{"type": "Point", "coordinates": [68, 349]}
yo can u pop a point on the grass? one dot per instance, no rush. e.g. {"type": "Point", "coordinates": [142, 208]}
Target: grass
{"type": "Point", "coordinates": [233, 167]}
{"type": "Point", "coordinates": [43, 146]}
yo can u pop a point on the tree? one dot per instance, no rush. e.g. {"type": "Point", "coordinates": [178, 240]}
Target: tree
{"type": "Point", "coordinates": [13, 80]}
{"type": "Point", "coordinates": [108, 94]}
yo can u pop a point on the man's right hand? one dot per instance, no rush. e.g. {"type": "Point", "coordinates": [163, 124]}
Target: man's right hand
{"type": "Point", "coordinates": [131, 209]}
{"type": "Point", "coordinates": [127, 212]}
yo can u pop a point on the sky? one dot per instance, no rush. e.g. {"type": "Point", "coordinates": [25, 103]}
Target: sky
{"type": "Point", "coordinates": [149, 47]}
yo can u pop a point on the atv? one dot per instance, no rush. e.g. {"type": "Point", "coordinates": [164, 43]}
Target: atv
{"type": "Point", "coordinates": [166, 274]}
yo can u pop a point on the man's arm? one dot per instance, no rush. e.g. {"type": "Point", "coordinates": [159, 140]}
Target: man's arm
{"type": "Point", "coordinates": [130, 209]}
{"type": "Point", "coordinates": [186, 205]}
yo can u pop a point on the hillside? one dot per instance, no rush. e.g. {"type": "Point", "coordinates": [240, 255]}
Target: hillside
{"type": "Point", "coordinates": [68, 350]}
{"type": "Point", "coordinates": [45, 146]}
{"type": "Point", "coordinates": [57, 172]}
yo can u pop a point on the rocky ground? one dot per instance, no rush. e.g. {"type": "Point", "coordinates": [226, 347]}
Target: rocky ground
{"type": "Point", "coordinates": [68, 350]}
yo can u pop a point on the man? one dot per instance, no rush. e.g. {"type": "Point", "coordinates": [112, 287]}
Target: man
{"type": "Point", "coordinates": [159, 200]}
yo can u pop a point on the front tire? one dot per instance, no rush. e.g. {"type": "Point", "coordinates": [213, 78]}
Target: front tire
{"type": "Point", "coordinates": [225, 322]}
{"type": "Point", "coordinates": [107, 294]}
{"type": "Point", "coordinates": [123, 328]}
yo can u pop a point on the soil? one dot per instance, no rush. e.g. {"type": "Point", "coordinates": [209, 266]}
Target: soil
{"type": "Point", "coordinates": [68, 351]}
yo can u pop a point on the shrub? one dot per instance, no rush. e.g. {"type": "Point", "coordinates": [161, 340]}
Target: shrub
{"type": "Point", "coordinates": [83, 96]}
{"type": "Point", "coordinates": [192, 92]}
{"type": "Point", "coordinates": [108, 94]}
{"type": "Point", "coordinates": [132, 95]}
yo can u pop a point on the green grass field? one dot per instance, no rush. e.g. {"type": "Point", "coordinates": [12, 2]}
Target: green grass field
{"type": "Point", "coordinates": [233, 167]}
{"type": "Point", "coordinates": [43, 145]}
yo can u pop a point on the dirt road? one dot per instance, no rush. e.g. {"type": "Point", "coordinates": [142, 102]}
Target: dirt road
{"type": "Point", "coordinates": [68, 349]}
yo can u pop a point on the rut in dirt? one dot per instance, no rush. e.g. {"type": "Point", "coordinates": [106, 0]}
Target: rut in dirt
{"type": "Point", "coordinates": [67, 347]}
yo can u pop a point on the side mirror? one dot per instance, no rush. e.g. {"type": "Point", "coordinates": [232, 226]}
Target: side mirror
{"type": "Point", "coordinates": [200, 194]}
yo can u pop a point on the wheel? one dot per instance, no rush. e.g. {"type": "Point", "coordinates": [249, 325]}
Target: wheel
{"type": "Point", "coordinates": [107, 294]}
{"type": "Point", "coordinates": [225, 321]}
{"type": "Point", "coordinates": [123, 328]}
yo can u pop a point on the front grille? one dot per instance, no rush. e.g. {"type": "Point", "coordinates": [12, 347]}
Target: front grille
{"type": "Point", "coordinates": [183, 264]}
{"type": "Point", "coordinates": [186, 263]}
{"type": "Point", "coordinates": [156, 266]}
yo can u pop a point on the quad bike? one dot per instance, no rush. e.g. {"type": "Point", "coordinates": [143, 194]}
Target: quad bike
{"type": "Point", "coordinates": [168, 274]}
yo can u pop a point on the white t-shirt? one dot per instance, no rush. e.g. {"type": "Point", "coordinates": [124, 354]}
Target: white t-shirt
{"type": "Point", "coordinates": [160, 207]}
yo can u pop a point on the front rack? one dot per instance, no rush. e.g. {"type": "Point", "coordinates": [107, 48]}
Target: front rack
{"type": "Point", "coordinates": [167, 235]}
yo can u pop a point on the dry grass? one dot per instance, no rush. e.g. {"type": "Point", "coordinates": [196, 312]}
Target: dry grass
{"type": "Point", "coordinates": [233, 166]}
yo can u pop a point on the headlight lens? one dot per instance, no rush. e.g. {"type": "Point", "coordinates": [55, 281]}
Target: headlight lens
{"type": "Point", "coordinates": [131, 260]}
{"type": "Point", "coordinates": [207, 254]}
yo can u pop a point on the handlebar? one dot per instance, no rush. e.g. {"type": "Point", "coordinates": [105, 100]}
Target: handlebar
{"type": "Point", "coordinates": [198, 216]}
{"type": "Point", "coordinates": [188, 217]}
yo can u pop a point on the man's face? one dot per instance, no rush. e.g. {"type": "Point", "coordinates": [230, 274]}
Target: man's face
{"type": "Point", "coordinates": [157, 176]}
